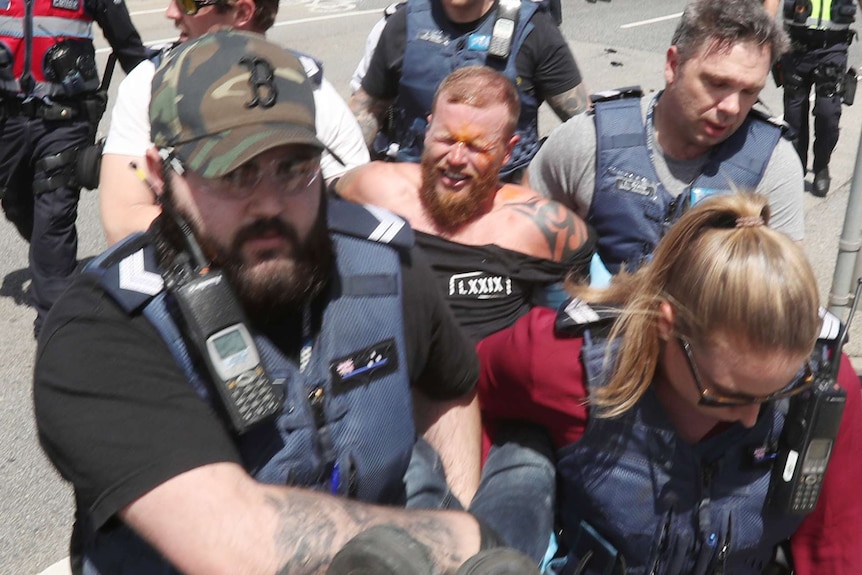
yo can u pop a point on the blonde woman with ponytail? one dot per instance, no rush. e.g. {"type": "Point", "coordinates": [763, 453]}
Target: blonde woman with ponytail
{"type": "Point", "coordinates": [665, 395]}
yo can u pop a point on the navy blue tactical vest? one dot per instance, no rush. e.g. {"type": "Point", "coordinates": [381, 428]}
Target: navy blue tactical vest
{"type": "Point", "coordinates": [434, 49]}
{"type": "Point", "coordinates": [367, 428]}
{"type": "Point", "coordinates": [631, 210]}
{"type": "Point", "coordinates": [665, 504]}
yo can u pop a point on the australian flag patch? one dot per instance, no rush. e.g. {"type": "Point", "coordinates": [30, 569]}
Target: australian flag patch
{"type": "Point", "coordinates": [363, 366]}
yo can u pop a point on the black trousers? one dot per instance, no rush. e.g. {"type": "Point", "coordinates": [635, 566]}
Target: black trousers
{"type": "Point", "coordinates": [46, 220]}
{"type": "Point", "coordinates": [802, 70]}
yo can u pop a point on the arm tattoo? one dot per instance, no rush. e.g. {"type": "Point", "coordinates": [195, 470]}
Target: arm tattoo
{"type": "Point", "coordinates": [305, 534]}
{"type": "Point", "coordinates": [369, 113]}
{"type": "Point", "coordinates": [311, 530]}
{"type": "Point", "coordinates": [570, 103]}
{"type": "Point", "coordinates": [563, 231]}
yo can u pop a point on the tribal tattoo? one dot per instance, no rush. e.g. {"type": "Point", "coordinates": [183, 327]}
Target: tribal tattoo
{"type": "Point", "coordinates": [563, 231]}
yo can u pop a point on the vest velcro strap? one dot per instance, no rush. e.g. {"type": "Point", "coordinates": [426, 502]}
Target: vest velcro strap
{"type": "Point", "coordinates": [617, 94]}
{"type": "Point", "coordinates": [623, 140]}
{"type": "Point", "coordinates": [369, 285]}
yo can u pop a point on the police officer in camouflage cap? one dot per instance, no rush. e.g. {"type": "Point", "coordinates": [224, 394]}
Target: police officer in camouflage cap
{"type": "Point", "coordinates": [275, 473]}
{"type": "Point", "coordinates": [218, 114]}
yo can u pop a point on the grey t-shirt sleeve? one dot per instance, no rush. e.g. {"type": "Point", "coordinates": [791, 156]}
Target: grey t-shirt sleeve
{"type": "Point", "coordinates": [783, 183]}
{"type": "Point", "coordinates": [565, 167]}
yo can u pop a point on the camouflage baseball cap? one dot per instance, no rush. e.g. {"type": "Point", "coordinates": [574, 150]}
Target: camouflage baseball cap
{"type": "Point", "coordinates": [225, 97]}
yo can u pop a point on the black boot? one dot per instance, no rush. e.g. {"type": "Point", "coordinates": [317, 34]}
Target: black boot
{"type": "Point", "coordinates": [382, 550]}
{"type": "Point", "coordinates": [821, 183]}
{"type": "Point", "coordinates": [499, 561]}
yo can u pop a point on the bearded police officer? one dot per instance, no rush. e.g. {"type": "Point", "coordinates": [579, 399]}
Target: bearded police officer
{"type": "Point", "coordinates": [820, 35]}
{"type": "Point", "coordinates": [261, 358]}
{"type": "Point", "coordinates": [51, 104]}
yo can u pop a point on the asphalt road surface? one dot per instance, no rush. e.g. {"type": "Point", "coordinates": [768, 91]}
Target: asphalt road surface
{"type": "Point", "coordinates": [616, 43]}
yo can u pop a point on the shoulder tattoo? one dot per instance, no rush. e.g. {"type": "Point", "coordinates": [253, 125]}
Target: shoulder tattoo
{"type": "Point", "coordinates": [563, 231]}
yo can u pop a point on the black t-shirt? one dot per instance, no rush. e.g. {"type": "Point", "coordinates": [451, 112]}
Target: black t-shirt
{"type": "Point", "coordinates": [117, 416]}
{"type": "Point", "coordinates": [545, 64]}
{"type": "Point", "coordinates": [488, 287]}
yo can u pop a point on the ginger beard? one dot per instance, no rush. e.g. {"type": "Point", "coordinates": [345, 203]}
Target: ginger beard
{"type": "Point", "coordinates": [273, 283]}
{"type": "Point", "coordinates": [449, 208]}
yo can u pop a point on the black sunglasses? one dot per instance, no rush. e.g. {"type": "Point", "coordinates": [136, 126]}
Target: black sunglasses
{"type": "Point", "coordinates": [191, 7]}
{"type": "Point", "coordinates": [708, 398]}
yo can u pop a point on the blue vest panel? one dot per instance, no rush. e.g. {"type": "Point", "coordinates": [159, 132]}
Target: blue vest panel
{"type": "Point", "coordinates": [358, 364]}
{"type": "Point", "coordinates": [434, 49]}
{"type": "Point", "coordinates": [631, 209]}
{"type": "Point", "coordinates": [664, 503]}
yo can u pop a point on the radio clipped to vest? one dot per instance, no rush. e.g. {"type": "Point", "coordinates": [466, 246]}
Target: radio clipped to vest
{"type": "Point", "coordinates": [812, 424]}
{"type": "Point", "coordinates": [505, 24]}
{"type": "Point", "coordinates": [214, 325]}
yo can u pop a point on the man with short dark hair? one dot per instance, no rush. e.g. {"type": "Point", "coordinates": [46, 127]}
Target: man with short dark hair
{"type": "Point", "coordinates": [207, 436]}
{"type": "Point", "coordinates": [631, 172]}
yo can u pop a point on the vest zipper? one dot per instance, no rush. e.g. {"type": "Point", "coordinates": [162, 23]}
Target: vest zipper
{"type": "Point", "coordinates": [721, 562]}
{"type": "Point", "coordinates": [708, 537]}
{"type": "Point", "coordinates": [330, 474]}
{"type": "Point", "coordinates": [316, 400]}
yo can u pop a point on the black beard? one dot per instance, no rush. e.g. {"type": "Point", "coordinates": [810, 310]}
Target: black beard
{"type": "Point", "coordinates": [450, 212]}
{"type": "Point", "coordinates": [293, 278]}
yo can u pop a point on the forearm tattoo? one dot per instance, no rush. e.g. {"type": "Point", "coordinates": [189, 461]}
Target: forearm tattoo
{"type": "Point", "coordinates": [570, 103]}
{"type": "Point", "coordinates": [562, 230]}
{"type": "Point", "coordinates": [369, 113]}
{"type": "Point", "coordinates": [305, 534]}
{"type": "Point", "coordinates": [312, 529]}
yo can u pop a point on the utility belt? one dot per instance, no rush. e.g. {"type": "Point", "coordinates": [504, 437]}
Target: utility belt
{"type": "Point", "coordinates": [812, 38]}
{"type": "Point", "coordinates": [89, 108]}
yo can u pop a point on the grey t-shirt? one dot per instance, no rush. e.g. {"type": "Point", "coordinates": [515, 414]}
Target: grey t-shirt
{"type": "Point", "coordinates": [565, 170]}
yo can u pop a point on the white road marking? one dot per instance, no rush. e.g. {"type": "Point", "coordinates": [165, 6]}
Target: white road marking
{"type": "Point", "coordinates": [107, 49]}
{"type": "Point", "coordinates": [651, 21]}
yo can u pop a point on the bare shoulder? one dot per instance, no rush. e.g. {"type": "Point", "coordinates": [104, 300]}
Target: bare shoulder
{"type": "Point", "coordinates": [543, 228]}
{"type": "Point", "coordinates": [394, 186]}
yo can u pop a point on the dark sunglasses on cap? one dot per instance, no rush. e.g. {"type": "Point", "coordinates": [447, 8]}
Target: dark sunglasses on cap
{"type": "Point", "coordinates": [804, 380]}
{"type": "Point", "coordinates": [191, 7]}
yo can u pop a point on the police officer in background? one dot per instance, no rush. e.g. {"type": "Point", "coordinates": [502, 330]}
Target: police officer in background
{"type": "Point", "coordinates": [425, 40]}
{"type": "Point", "coordinates": [820, 35]}
{"type": "Point", "coordinates": [51, 104]}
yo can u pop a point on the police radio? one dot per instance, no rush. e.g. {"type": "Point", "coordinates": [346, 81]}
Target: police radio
{"type": "Point", "coordinates": [503, 33]}
{"type": "Point", "coordinates": [810, 429]}
{"type": "Point", "coordinates": [215, 326]}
